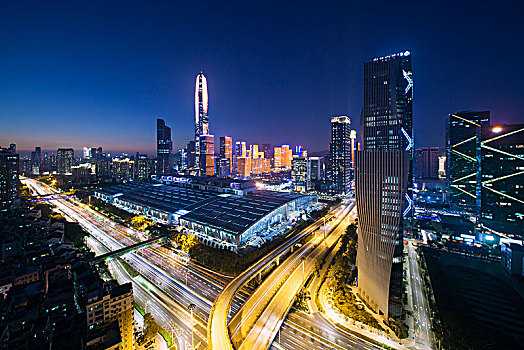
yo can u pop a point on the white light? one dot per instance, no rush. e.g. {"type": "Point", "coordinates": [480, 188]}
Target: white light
{"type": "Point", "coordinates": [407, 53]}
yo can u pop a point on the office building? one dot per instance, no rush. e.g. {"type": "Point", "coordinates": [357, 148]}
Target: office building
{"type": "Point", "coordinates": [207, 155]}
{"type": "Point", "coordinates": [463, 155]}
{"type": "Point", "coordinates": [86, 153]}
{"type": "Point", "coordinates": [180, 160]}
{"type": "Point", "coordinates": [65, 160]}
{"type": "Point", "coordinates": [12, 147]}
{"type": "Point", "coordinates": [9, 182]}
{"type": "Point", "coordinates": [223, 167]}
{"type": "Point", "coordinates": [301, 173]}
{"type": "Point", "coordinates": [426, 163]}
{"type": "Point", "coordinates": [339, 166]}
{"type": "Point", "coordinates": [164, 147]}
{"type": "Point", "coordinates": [244, 166]}
{"type": "Point", "coordinates": [226, 150]}
{"type": "Point", "coordinates": [201, 116]}
{"type": "Point", "coordinates": [384, 179]}
{"type": "Point", "coordinates": [502, 173]}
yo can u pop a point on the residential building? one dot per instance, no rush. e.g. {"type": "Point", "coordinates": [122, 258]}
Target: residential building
{"type": "Point", "coordinates": [123, 169]}
{"type": "Point", "coordinates": [104, 307]}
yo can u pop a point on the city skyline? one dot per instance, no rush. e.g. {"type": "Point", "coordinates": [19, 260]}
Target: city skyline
{"type": "Point", "coordinates": [69, 94]}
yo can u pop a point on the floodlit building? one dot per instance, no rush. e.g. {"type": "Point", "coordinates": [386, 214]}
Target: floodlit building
{"type": "Point", "coordinates": [383, 179]}
{"type": "Point", "coordinates": [244, 166]}
{"type": "Point", "coordinates": [207, 155]}
{"type": "Point", "coordinates": [278, 158]}
{"type": "Point", "coordinates": [201, 117]}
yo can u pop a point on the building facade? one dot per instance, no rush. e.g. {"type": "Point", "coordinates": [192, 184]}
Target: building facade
{"type": "Point", "coordinates": [502, 174]}
{"type": "Point", "coordinates": [207, 155]}
{"type": "Point", "coordinates": [164, 147]}
{"type": "Point", "coordinates": [426, 164]}
{"type": "Point", "coordinates": [226, 150]}
{"type": "Point", "coordinates": [9, 183]}
{"type": "Point", "coordinates": [339, 169]}
{"type": "Point", "coordinates": [301, 174]}
{"type": "Point", "coordinates": [201, 116]}
{"type": "Point", "coordinates": [384, 180]}
{"type": "Point", "coordinates": [65, 159]}
{"type": "Point", "coordinates": [463, 156]}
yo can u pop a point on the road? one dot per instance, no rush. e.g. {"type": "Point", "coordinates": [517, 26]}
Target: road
{"type": "Point", "coordinates": [218, 335]}
{"type": "Point", "coordinates": [166, 277]}
{"type": "Point", "coordinates": [291, 278]}
{"type": "Point", "coordinates": [424, 335]}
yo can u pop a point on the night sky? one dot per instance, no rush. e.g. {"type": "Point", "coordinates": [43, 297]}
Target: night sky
{"type": "Point", "coordinates": [92, 73]}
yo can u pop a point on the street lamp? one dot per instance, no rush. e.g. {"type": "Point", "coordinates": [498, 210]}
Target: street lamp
{"type": "Point", "coordinates": [191, 308]}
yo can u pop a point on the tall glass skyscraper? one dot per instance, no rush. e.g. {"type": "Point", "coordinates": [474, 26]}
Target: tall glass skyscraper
{"type": "Point", "coordinates": [463, 155]}
{"type": "Point", "coordinates": [383, 179]}
{"type": "Point", "coordinates": [164, 147]}
{"type": "Point", "coordinates": [201, 116]}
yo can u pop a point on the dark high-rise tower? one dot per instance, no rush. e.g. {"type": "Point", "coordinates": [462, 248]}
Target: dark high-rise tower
{"type": "Point", "coordinates": [9, 170]}
{"type": "Point", "coordinates": [384, 180]}
{"type": "Point", "coordinates": [339, 166]}
{"type": "Point", "coordinates": [164, 147]}
{"type": "Point", "coordinates": [201, 116]}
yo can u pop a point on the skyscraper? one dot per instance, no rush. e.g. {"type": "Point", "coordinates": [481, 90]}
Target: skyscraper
{"type": "Point", "coordinates": [164, 147]}
{"type": "Point", "coordinates": [502, 173]}
{"type": "Point", "coordinates": [65, 159]}
{"type": "Point", "coordinates": [226, 150]}
{"type": "Point", "coordinates": [9, 171]}
{"type": "Point", "coordinates": [426, 162]}
{"type": "Point", "coordinates": [339, 169]}
{"type": "Point", "coordinates": [207, 155]}
{"type": "Point", "coordinates": [463, 155]}
{"type": "Point", "coordinates": [384, 180]}
{"type": "Point", "coordinates": [201, 114]}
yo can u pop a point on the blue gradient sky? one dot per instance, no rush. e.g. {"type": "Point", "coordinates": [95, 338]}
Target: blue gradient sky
{"type": "Point", "coordinates": [98, 73]}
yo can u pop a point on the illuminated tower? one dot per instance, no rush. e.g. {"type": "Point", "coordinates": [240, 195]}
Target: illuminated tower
{"type": "Point", "coordinates": [201, 116]}
{"type": "Point", "coordinates": [164, 147]}
{"type": "Point", "coordinates": [339, 169]}
{"type": "Point", "coordinates": [384, 180]}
